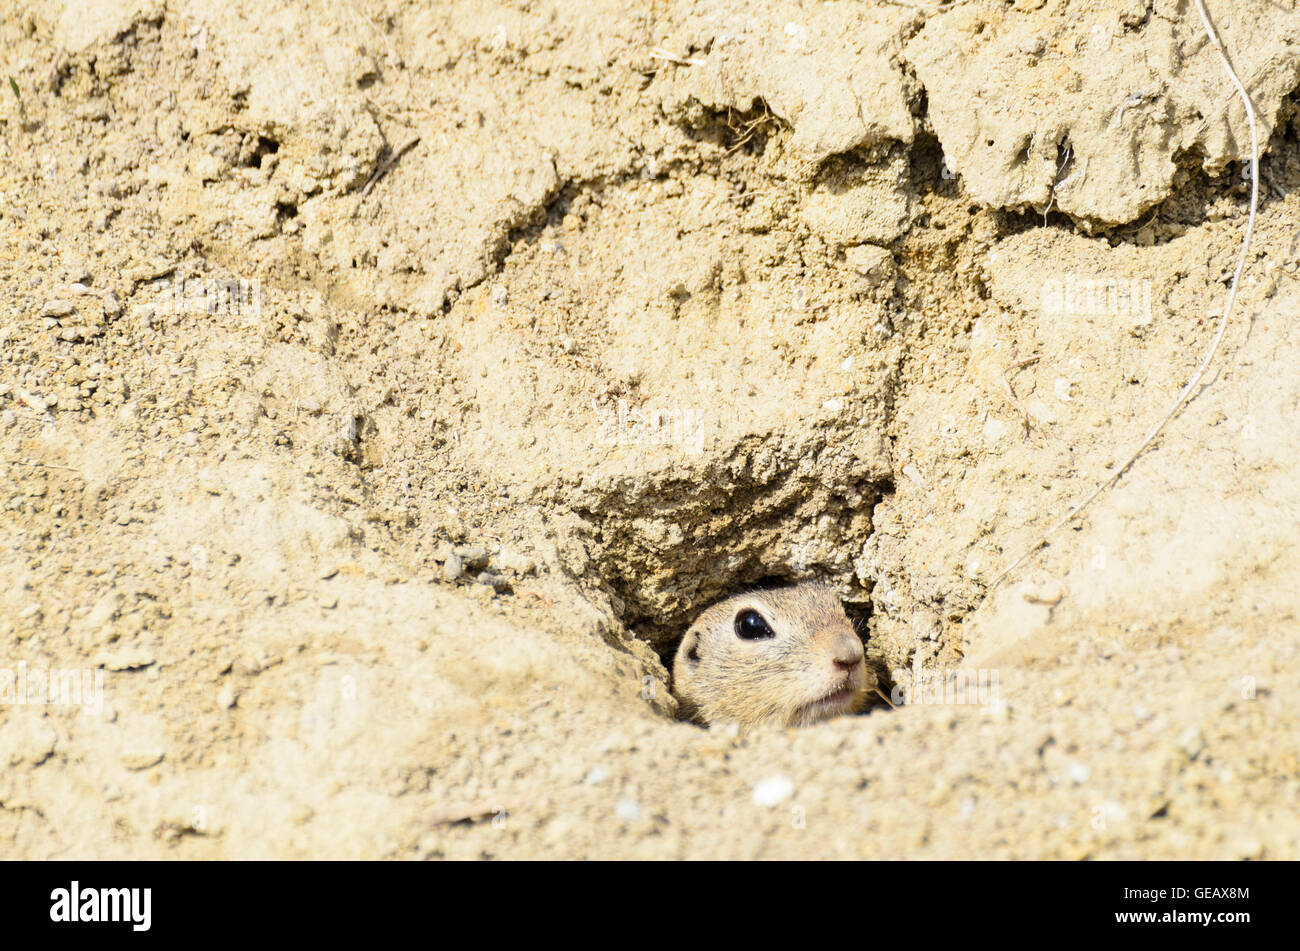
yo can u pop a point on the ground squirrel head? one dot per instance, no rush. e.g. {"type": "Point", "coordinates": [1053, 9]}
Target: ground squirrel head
{"type": "Point", "coordinates": [785, 655]}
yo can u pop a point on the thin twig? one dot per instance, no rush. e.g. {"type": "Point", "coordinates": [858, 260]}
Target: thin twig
{"type": "Point", "coordinates": [1009, 393]}
{"type": "Point", "coordinates": [660, 53]}
{"type": "Point", "coordinates": [43, 465]}
{"type": "Point", "coordinates": [937, 7]}
{"type": "Point", "coordinates": [392, 160]}
{"type": "Point", "coordinates": [1213, 349]}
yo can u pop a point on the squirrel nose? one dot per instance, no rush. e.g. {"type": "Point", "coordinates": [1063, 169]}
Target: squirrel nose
{"type": "Point", "coordinates": [848, 653]}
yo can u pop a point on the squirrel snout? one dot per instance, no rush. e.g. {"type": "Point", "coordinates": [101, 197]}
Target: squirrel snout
{"type": "Point", "coordinates": [848, 653]}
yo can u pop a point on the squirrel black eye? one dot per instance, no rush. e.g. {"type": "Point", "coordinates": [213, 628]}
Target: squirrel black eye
{"type": "Point", "coordinates": [751, 626]}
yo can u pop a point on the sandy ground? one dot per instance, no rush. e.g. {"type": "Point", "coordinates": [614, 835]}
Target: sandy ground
{"type": "Point", "coordinates": [384, 386]}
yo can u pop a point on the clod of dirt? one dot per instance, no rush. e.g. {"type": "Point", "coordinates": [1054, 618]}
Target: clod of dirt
{"type": "Point", "coordinates": [1041, 105]}
{"type": "Point", "coordinates": [831, 71]}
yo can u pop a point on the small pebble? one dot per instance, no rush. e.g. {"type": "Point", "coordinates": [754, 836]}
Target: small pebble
{"type": "Point", "coordinates": [103, 610]}
{"type": "Point", "coordinates": [1192, 741]}
{"type": "Point", "coordinates": [453, 568]}
{"type": "Point", "coordinates": [1034, 45]}
{"type": "Point", "coordinates": [773, 790]}
{"type": "Point", "coordinates": [125, 659]}
{"type": "Point", "coordinates": [208, 168]}
{"type": "Point", "coordinates": [874, 263]}
{"type": "Point", "coordinates": [142, 759]}
{"type": "Point", "coordinates": [627, 809]}
{"type": "Point", "coordinates": [474, 557]}
{"type": "Point", "coordinates": [58, 308]}
{"type": "Point", "coordinates": [498, 583]}
{"type": "Point", "coordinates": [36, 403]}
{"type": "Point", "coordinates": [514, 562]}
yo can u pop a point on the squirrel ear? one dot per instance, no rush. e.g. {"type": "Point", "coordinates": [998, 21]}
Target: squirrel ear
{"type": "Point", "coordinates": [691, 645]}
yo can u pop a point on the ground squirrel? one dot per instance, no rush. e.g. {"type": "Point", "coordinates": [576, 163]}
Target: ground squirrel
{"type": "Point", "coordinates": [787, 655]}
